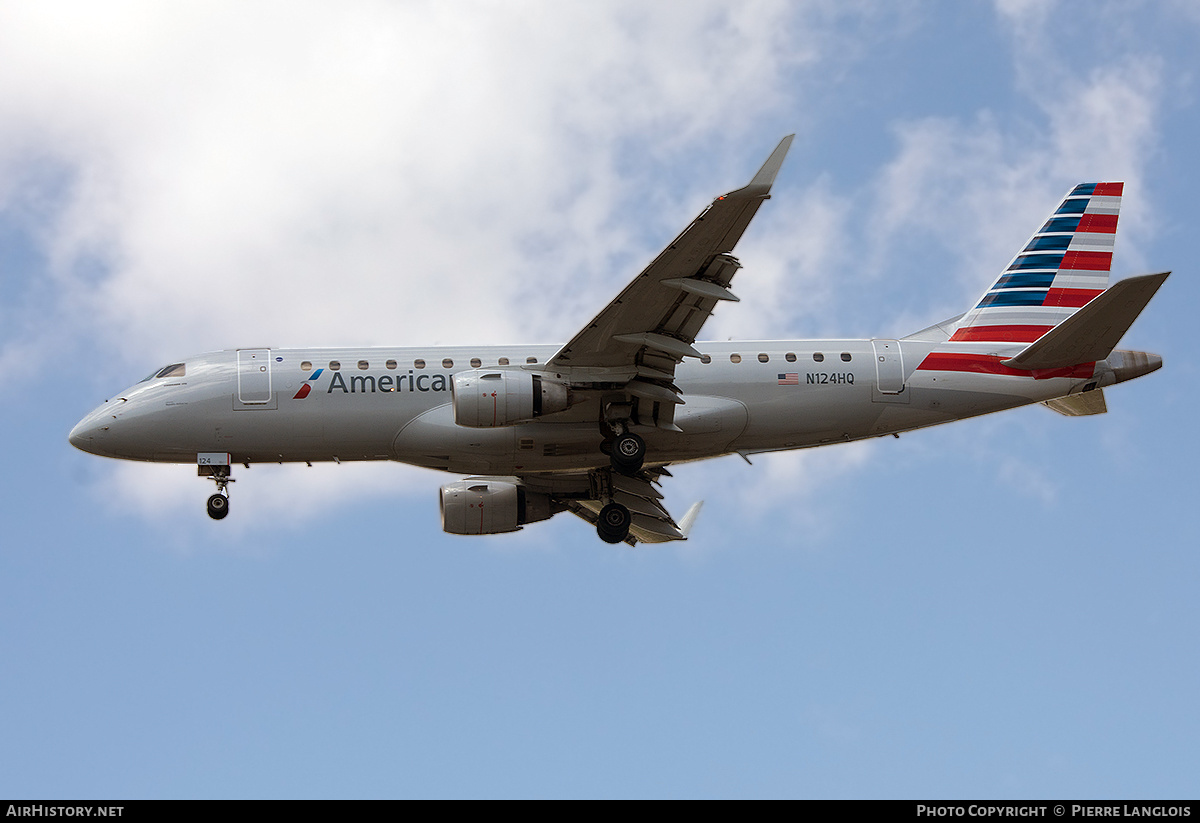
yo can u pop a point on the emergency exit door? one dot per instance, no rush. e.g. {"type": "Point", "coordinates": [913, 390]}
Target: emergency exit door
{"type": "Point", "coordinates": [889, 366]}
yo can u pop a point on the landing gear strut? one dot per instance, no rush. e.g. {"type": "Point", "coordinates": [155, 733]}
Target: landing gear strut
{"type": "Point", "coordinates": [613, 525]}
{"type": "Point", "coordinates": [626, 451]}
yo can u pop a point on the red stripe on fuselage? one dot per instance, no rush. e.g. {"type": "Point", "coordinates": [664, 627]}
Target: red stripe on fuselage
{"type": "Point", "coordinates": [1001, 334]}
{"type": "Point", "coordinates": [990, 364]}
{"type": "Point", "coordinates": [303, 393]}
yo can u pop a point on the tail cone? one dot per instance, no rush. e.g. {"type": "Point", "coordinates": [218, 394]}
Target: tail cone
{"type": "Point", "coordinates": [1127, 365]}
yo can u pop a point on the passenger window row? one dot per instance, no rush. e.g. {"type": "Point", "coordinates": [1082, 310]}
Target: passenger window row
{"type": "Point", "coordinates": [476, 363]}
{"type": "Point", "coordinates": [819, 357]}
{"type": "Point", "coordinates": [447, 363]}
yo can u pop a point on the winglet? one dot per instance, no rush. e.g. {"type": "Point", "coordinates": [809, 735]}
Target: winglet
{"type": "Point", "coordinates": [685, 523]}
{"type": "Point", "coordinates": [765, 178]}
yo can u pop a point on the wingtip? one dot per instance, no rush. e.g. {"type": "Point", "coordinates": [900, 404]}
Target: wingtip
{"type": "Point", "coordinates": [765, 178]}
{"type": "Point", "coordinates": [686, 522]}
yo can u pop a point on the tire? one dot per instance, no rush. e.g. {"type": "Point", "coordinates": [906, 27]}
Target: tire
{"type": "Point", "coordinates": [613, 525]}
{"type": "Point", "coordinates": [218, 506]}
{"type": "Point", "coordinates": [628, 454]}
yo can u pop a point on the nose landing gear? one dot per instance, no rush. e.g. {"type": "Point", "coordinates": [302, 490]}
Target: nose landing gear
{"type": "Point", "coordinates": [218, 504]}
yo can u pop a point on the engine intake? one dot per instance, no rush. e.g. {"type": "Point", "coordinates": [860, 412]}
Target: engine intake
{"type": "Point", "coordinates": [486, 398]}
{"type": "Point", "coordinates": [482, 506]}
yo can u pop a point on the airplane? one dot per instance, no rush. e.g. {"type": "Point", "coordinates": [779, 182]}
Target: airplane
{"type": "Point", "coordinates": [591, 426]}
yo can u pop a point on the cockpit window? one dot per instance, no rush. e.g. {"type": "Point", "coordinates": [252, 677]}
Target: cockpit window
{"type": "Point", "coordinates": [173, 370]}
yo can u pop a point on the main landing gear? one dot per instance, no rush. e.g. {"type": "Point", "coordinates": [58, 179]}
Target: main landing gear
{"type": "Point", "coordinates": [613, 525]}
{"type": "Point", "coordinates": [628, 453]}
{"type": "Point", "coordinates": [218, 504]}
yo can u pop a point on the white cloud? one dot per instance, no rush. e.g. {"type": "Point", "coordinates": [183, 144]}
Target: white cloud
{"type": "Point", "coordinates": [361, 174]}
{"type": "Point", "coordinates": [776, 486]}
{"type": "Point", "coordinates": [961, 196]}
{"type": "Point", "coordinates": [797, 239]}
{"type": "Point", "coordinates": [267, 496]}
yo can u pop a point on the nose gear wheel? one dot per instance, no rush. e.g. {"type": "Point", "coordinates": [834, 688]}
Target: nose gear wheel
{"type": "Point", "coordinates": [218, 506]}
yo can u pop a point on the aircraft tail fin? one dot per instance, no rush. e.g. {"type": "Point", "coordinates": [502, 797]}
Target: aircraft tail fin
{"type": "Point", "coordinates": [1059, 270]}
{"type": "Point", "coordinates": [1094, 331]}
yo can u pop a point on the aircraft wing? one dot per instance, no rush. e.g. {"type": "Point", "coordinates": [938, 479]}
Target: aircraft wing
{"type": "Point", "coordinates": [631, 348]}
{"type": "Point", "coordinates": [651, 325]}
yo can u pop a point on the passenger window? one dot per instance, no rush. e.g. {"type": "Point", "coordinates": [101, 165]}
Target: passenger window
{"type": "Point", "coordinates": [530, 359]}
{"type": "Point", "coordinates": [418, 364]}
{"type": "Point", "coordinates": [334, 365]}
{"type": "Point", "coordinates": [306, 365]}
{"type": "Point", "coordinates": [476, 362]}
{"type": "Point", "coordinates": [363, 364]}
{"type": "Point", "coordinates": [735, 358]}
{"type": "Point", "coordinates": [447, 363]}
{"type": "Point", "coordinates": [503, 361]}
{"type": "Point", "coordinates": [820, 358]}
{"type": "Point", "coordinates": [762, 358]}
{"type": "Point", "coordinates": [391, 364]}
{"type": "Point", "coordinates": [705, 359]}
{"type": "Point", "coordinates": [846, 356]}
{"type": "Point", "coordinates": [790, 357]}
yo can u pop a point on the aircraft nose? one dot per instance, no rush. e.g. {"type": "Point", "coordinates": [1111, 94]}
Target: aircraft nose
{"type": "Point", "coordinates": [89, 432]}
{"type": "Point", "coordinates": [82, 435]}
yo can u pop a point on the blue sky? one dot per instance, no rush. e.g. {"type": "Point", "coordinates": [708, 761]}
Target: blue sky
{"type": "Point", "coordinates": [1003, 607]}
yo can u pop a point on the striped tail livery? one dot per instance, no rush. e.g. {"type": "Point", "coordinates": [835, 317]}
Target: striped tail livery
{"type": "Point", "coordinates": [1051, 312]}
{"type": "Point", "coordinates": [1062, 267]}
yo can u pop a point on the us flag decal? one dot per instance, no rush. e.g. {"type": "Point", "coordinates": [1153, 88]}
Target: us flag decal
{"type": "Point", "coordinates": [789, 379]}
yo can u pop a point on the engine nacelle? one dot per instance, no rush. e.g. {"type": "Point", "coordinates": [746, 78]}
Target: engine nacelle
{"type": "Point", "coordinates": [487, 398]}
{"type": "Point", "coordinates": [479, 505]}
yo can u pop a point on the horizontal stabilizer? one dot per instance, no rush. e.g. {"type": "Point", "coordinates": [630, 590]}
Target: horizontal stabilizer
{"type": "Point", "coordinates": [1078, 405]}
{"type": "Point", "coordinates": [1094, 331]}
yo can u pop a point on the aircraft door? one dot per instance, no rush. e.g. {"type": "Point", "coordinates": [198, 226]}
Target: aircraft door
{"type": "Point", "coordinates": [254, 376]}
{"type": "Point", "coordinates": [889, 366]}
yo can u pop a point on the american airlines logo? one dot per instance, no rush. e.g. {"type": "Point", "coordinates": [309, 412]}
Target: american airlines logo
{"type": "Point", "coordinates": [370, 384]}
{"type": "Point", "coordinates": [306, 387]}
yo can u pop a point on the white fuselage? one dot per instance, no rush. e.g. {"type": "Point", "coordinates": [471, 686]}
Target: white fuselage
{"type": "Point", "coordinates": [395, 404]}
